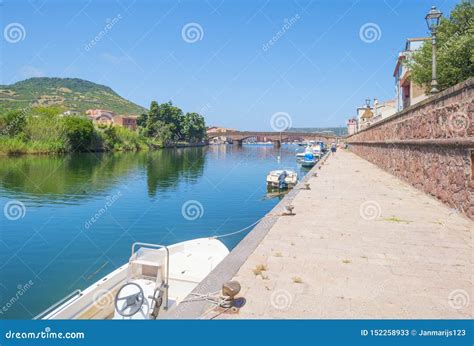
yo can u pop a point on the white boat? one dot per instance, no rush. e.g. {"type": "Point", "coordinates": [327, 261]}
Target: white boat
{"type": "Point", "coordinates": [316, 150]}
{"type": "Point", "coordinates": [300, 156]}
{"type": "Point", "coordinates": [282, 179]}
{"type": "Point", "coordinates": [155, 280]}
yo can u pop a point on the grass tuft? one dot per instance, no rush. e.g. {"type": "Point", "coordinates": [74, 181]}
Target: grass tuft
{"type": "Point", "coordinates": [297, 280]}
{"type": "Point", "coordinates": [259, 269]}
{"type": "Point", "coordinates": [395, 219]}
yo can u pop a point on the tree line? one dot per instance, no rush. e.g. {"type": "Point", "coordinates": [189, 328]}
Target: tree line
{"type": "Point", "coordinates": [165, 123]}
{"type": "Point", "coordinates": [46, 130]}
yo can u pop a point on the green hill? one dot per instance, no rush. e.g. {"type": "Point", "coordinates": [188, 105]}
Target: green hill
{"type": "Point", "coordinates": [67, 93]}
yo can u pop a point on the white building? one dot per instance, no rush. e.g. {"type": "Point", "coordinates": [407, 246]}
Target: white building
{"type": "Point", "coordinates": [383, 110]}
{"type": "Point", "coordinates": [407, 93]}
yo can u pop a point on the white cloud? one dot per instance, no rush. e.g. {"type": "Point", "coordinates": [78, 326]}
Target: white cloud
{"type": "Point", "coordinates": [29, 71]}
{"type": "Point", "coordinates": [113, 59]}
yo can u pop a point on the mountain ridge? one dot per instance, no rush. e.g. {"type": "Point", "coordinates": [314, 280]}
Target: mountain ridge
{"type": "Point", "coordinates": [68, 93]}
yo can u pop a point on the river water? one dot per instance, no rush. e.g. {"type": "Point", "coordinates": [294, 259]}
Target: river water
{"type": "Point", "coordinates": [69, 220]}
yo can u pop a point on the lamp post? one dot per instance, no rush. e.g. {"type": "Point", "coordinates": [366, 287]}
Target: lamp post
{"type": "Point", "coordinates": [432, 20]}
{"type": "Point", "coordinates": [367, 102]}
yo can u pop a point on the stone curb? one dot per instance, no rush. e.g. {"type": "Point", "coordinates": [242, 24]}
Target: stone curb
{"type": "Point", "coordinates": [227, 269]}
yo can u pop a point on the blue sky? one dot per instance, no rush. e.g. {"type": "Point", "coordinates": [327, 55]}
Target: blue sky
{"type": "Point", "coordinates": [245, 66]}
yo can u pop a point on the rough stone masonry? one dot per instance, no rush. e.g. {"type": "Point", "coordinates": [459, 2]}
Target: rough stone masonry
{"type": "Point", "coordinates": [430, 145]}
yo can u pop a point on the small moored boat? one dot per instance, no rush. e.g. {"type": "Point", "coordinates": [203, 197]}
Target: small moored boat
{"type": "Point", "coordinates": [155, 279]}
{"type": "Point", "coordinates": [282, 179]}
{"type": "Point", "coordinates": [300, 156]}
{"type": "Point", "coordinates": [309, 160]}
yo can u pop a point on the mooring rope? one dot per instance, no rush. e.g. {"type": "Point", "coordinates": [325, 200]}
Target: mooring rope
{"type": "Point", "coordinates": [239, 231]}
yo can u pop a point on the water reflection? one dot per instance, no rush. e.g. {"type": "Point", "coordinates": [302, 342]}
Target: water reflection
{"type": "Point", "coordinates": [72, 178]}
{"type": "Point", "coordinates": [62, 193]}
{"type": "Point", "coordinates": [166, 168]}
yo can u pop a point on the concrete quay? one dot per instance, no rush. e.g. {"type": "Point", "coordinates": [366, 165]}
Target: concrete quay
{"type": "Point", "coordinates": [363, 244]}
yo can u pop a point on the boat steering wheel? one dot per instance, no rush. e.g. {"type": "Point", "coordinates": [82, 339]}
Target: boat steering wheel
{"type": "Point", "coordinates": [133, 302]}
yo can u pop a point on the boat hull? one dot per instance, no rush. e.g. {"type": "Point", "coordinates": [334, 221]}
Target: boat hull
{"type": "Point", "coordinates": [189, 263]}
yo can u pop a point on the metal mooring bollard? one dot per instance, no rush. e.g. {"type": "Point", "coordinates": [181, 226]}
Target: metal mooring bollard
{"type": "Point", "coordinates": [289, 210]}
{"type": "Point", "coordinates": [229, 291]}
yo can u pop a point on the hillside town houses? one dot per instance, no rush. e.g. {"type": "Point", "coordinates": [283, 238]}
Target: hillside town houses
{"type": "Point", "coordinates": [407, 93]}
{"type": "Point", "coordinates": [107, 117]}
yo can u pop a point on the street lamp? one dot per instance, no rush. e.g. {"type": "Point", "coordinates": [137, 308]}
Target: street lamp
{"type": "Point", "coordinates": [367, 102]}
{"type": "Point", "coordinates": [432, 20]}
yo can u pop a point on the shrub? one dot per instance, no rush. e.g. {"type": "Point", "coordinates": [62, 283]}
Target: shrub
{"type": "Point", "coordinates": [121, 138]}
{"type": "Point", "coordinates": [12, 123]}
{"type": "Point", "coordinates": [79, 133]}
{"type": "Point", "coordinates": [44, 125]}
{"type": "Point", "coordinates": [13, 146]}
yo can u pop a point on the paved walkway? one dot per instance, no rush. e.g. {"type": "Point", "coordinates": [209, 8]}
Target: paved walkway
{"type": "Point", "coordinates": [363, 244]}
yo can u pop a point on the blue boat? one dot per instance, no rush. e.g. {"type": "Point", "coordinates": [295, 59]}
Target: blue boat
{"type": "Point", "coordinates": [309, 160]}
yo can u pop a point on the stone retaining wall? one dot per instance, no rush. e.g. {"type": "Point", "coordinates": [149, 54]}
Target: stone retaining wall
{"type": "Point", "coordinates": [429, 145]}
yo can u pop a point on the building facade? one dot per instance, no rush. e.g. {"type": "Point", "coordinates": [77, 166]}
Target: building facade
{"type": "Point", "coordinates": [383, 110]}
{"type": "Point", "coordinates": [106, 117]}
{"type": "Point", "coordinates": [128, 121]}
{"type": "Point", "coordinates": [351, 126]}
{"type": "Point", "coordinates": [101, 116]}
{"type": "Point", "coordinates": [407, 93]}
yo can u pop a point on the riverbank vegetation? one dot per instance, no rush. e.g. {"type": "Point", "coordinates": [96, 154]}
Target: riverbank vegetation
{"type": "Point", "coordinates": [43, 130]}
{"type": "Point", "coordinates": [165, 124]}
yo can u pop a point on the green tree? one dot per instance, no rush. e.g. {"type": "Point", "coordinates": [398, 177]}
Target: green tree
{"type": "Point", "coordinates": [193, 127]}
{"type": "Point", "coordinates": [79, 133]}
{"type": "Point", "coordinates": [162, 123]}
{"type": "Point", "coordinates": [455, 50]}
{"type": "Point", "coordinates": [172, 116]}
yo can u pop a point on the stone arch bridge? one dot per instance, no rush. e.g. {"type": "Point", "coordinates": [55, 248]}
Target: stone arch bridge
{"type": "Point", "coordinates": [237, 137]}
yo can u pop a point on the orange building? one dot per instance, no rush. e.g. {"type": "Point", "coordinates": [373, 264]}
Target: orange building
{"type": "Point", "coordinates": [101, 116]}
{"type": "Point", "coordinates": [128, 121]}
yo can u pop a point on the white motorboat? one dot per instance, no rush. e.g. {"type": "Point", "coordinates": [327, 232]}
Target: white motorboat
{"type": "Point", "coordinates": [300, 156]}
{"type": "Point", "coordinates": [155, 280]}
{"type": "Point", "coordinates": [282, 179]}
{"type": "Point", "coordinates": [316, 149]}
